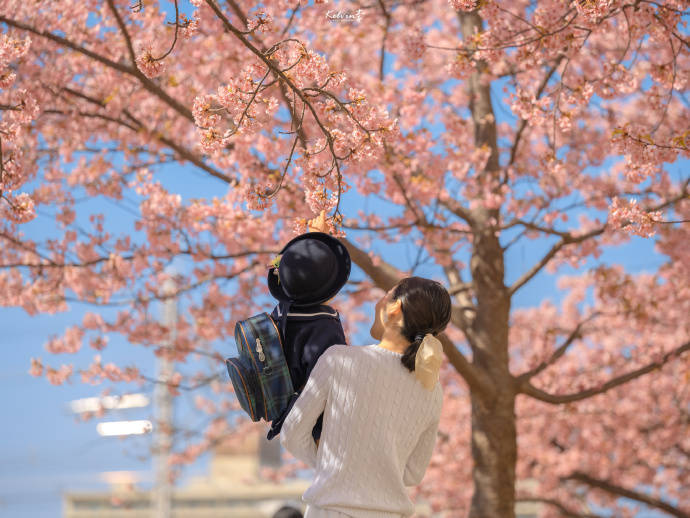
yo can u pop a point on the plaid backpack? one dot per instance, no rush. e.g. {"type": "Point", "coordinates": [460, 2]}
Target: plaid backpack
{"type": "Point", "coordinates": [260, 374]}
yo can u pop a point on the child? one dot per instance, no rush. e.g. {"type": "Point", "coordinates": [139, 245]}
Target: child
{"type": "Point", "coordinates": [306, 275]}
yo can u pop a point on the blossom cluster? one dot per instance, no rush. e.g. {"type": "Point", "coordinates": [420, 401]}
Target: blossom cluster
{"type": "Point", "coordinates": [19, 208]}
{"type": "Point", "coordinates": [97, 372]}
{"type": "Point", "coordinates": [643, 158]}
{"type": "Point", "coordinates": [147, 63]}
{"type": "Point", "coordinates": [54, 376]}
{"type": "Point", "coordinates": [237, 107]}
{"type": "Point", "coordinates": [189, 27]}
{"type": "Point", "coordinates": [70, 342]}
{"type": "Point", "coordinates": [11, 49]}
{"type": "Point", "coordinates": [21, 110]}
{"type": "Point", "coordinates": [632, 218]}
{"type": "Point", "coordinates": [413, 42]}
{"type": "Point", "coordinates": [527, 107]}
{"type": "Point", "coordinates": [464, 5]}
{"type": "Point", "coordinates": [592, 10]}
{"type": "Point", "coordinates": [461, 67]}
{"type": "Point", "coordinates": [262, 21]}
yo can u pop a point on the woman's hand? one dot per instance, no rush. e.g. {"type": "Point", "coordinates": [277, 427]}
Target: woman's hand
{"type": "Point", "coordinates": [318, 224]}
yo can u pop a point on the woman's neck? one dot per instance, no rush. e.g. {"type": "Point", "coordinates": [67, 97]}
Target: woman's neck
{"type": "Point", "coordinates": [397, 346]}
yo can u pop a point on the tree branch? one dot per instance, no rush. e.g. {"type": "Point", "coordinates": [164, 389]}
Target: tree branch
{"type": "Point", "coordinates": [181, 151]}
{"type": "Point", "coordinates": [459, 210]}
{"type": "Point", "coordinates": [463, 293]}
{"type": "Point", "coordinates": [523, 122]}
{"type": "Point", "coordinates": [125, 34]}
{"type": "Point", "coordinates": [560, 351]}
{"type": "Point", "coordinates": [525, 387]}
{"type": "Point", "coordinates": [628, 493]}
{"type": "Point", "coordinates": [130, 71]}
{"type": "Point", "coordinates": [271, 64]}
{"type": "Point", "coordinates": [387, 15]}
{"type": "Point", "coordinates": [564, 511]}
{"type": "Point", "coordinates": [567, 238]}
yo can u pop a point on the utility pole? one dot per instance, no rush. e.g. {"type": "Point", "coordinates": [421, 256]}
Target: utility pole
{"type": "Point", "coordinates": [162, 491]}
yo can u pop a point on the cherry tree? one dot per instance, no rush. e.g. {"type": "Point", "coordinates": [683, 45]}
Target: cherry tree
{"type": "Point", "coordinates": [287, 106]}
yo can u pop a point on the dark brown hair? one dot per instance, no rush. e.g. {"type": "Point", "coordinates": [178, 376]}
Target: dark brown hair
{"type": "Point", "coordinates": [426, 308]}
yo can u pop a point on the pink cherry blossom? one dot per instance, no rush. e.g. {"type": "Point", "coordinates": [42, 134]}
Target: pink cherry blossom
{"type": "Point", "coordinates": [36, 367]}
{"type": "Point", "coordinates": [592, 9]}
{"type": "Point", "coordinates": [69, 343]}
{"type": "Point", "coordinates": [629, 216]}
{"type": "Point", "coordinates": [464, 5]}
{"type": "Point", "coordinates": [413, 42]}
{"type": "Point", "coordinates": [190, 26]}
{"type": "Point", "coordinates": [147, 63]}
{"type": "Point", "coordinates": [262, 21]}
{"type": "Point", "coordinates": [59, 376]}
{"type": "Point", "coordinates": [174, 383]}
{"type": "Point", "coordinates": [202, 110]}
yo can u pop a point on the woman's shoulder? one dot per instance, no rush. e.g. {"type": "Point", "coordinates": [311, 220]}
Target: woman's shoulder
{"type": "Point", "coordinates": [336, 348]}
{"type": "Point", "coordinates": [339, 352]}
{"type": "Point", "coordinates": [333, 353]}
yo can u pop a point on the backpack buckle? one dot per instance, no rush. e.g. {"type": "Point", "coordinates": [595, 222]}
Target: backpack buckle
{"type": "Point", "coordinates": [260, 350]}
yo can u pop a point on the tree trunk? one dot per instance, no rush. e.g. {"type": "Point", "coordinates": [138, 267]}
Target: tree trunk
{"type": "Point", "coordinates": [494, 451]}
{"type": "Point", "coordinates": [494, 439]}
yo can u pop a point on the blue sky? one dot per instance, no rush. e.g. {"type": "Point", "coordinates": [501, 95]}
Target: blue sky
{"type": "Point", "coordinates": [44, 451]}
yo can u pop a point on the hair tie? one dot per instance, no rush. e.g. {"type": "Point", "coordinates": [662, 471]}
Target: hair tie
{"type": "Point", "coordinates": [428, 360]}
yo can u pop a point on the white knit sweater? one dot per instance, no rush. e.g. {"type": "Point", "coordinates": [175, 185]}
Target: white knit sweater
{"type": "Point", "coordinates": [379, 431]}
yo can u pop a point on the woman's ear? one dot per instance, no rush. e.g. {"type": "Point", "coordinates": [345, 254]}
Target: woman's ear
{"type": "Point", "coordinates": [394, 308]}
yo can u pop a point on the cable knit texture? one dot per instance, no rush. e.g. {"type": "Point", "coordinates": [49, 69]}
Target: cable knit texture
{"type": "Point", "coordinates": [379, 431]}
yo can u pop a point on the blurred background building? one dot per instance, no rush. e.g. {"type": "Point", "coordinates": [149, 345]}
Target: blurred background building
{"type": "Point", "coordinates": [231, 489]}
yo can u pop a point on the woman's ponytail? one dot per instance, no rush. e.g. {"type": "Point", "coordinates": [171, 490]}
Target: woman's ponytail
{"type": "Point", "coordinates": [410, 355]}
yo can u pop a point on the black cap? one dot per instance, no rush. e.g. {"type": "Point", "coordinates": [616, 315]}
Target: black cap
{"type": "Point", "coordinates": [314, 266]}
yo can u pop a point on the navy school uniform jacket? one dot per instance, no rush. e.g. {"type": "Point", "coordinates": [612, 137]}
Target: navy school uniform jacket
{"type": "Point", "coordinates": [309, 331]}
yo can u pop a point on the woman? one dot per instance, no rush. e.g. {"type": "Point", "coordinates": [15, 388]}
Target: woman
{"type": "Point", "coordinates": [381, 405]}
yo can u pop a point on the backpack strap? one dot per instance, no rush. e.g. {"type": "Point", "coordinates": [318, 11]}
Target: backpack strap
{"type": "Point", "coordinates": [283, 318]}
